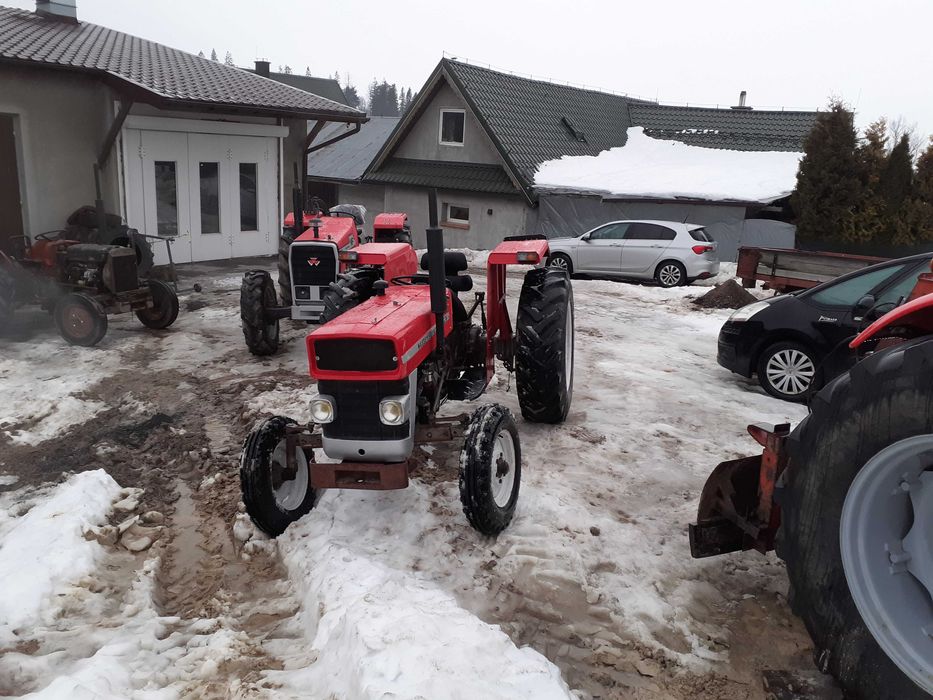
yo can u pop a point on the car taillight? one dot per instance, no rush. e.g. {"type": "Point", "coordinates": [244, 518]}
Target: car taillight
{"type": "Point", "coordinates": [700, 249]}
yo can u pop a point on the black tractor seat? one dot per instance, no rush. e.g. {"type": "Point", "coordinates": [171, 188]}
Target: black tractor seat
{"type": "Point", "coordinates": [455, 262]}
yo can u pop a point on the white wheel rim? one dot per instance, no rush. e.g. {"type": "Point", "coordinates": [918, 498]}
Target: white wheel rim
{"type": "Point", "coordinates": [559, 262]}
{"type": "Point", "coordinates": [568, 349]}
{"type": "Point", "coordinates": [502, 468]}
{"type": "Point", "coordinates": [790, 371]}
{"type": "Point", "coordinates": [291, 493]}
{"type": "Point", "coordinates": [670, 275]}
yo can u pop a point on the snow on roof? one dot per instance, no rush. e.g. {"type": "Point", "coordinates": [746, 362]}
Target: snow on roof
{"type": "Point", "coordinates": [649, 168]}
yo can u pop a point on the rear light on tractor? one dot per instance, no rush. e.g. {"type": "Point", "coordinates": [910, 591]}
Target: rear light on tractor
{"type": "Point", "coordinates": [700, 249]}
{"type": "Point", "coordinates": [348, 256]}
{"type": "Point", "coordinates": [528, 256]}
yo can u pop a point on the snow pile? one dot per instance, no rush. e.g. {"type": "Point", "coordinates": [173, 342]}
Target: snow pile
{"type": "Point", "coordinates": [44, 551]}
{"type": "Point", "coordinates": [380, 632]}
{"type": "Point", "coordinates": [654, 168]}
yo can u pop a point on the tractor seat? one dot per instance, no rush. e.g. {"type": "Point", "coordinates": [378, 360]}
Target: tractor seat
{"type": "Point", "coordinates": [455, 262]}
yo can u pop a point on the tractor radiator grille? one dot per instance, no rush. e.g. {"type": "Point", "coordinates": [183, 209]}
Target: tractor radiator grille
{"type": "Point", "coordinates": [313, 264]}
{"type": "Point", "coordinates": [354, 355]}
{"type": "Point", "coordinates": [356, 410]}
{"type": "Point", "coordinates": [125, 277]}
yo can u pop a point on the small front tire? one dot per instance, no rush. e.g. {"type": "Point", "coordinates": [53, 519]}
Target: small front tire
{"type": "Point", "coordinates": [164, 309]}
{"type": "Point", "coordinates": [490, 469]}
{"type": "Point", "coordinates": [80, 319]}
{"type": "Point", "coordinates": [273, 498]}
{"type": "Point", "coordinates": [257, 293]}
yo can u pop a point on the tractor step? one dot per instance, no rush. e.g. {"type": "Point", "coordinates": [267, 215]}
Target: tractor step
{"type": "Point", "coordinates": [360, 475]}
{"type": "Point", "coordinates": [468, 387]}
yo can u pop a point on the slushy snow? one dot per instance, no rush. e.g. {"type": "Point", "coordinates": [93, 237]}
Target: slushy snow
{"type": "Point", "coordinates": [646, 167]}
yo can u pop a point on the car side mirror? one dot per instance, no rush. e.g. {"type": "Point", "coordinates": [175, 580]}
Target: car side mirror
{"type": "Point", "coordinates": [585, 237]}
{"type": "Point", "coordinates": [862, 306]}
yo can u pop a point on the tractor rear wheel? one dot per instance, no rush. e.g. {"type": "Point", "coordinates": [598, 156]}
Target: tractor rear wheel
{"type": "Point", "coordinates": [349, 290]}
{"type": "Point", "coordinates": [257, 293]}
{"type": "Point", "coordinates": [285, 273]}
{"type": "Point", "coordinates": [80, 319]}
{"type": "Point", "coordinates": [544, 345]}
{"type": "Point", "coordinates": [7, 294]}
{"type": "Point", "coordinates": [164, 309]}
{"type": "Point", "coordinates": [274, 499]}
{"type": "Point", "coordinates": [856, 510]}
{"type": "Point", "coordinates": [490, 469]}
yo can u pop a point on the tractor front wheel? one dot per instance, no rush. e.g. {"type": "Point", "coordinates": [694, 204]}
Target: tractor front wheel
{"type": "Point", "coordinates": [274, 497]}
{"type": "Point", "coordinates": [544, 345]}
{"type": "Point", "coordinates": [257, 293]}
{"type": "Point", "coordinates": [164, 309]}
{"type": "Point", "coordinates": [490, 469]}
{"type": "Point", "coordinates": [349, 290]}
{"type": "Point", "coordinates": [856, 510]}
{"type": "Point", "coordinates": [80, 319]}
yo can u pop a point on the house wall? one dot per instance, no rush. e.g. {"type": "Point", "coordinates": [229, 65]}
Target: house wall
{"type": "Point", "coordinates": [61, 121]}
{"type": "Point", "coordinates": [422, 141]}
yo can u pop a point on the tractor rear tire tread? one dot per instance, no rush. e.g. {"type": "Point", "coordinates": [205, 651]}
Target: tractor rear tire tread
{"type": "Point", "coordinates": [348, 291]}
{"type": "Point", "coordinates": [256, 292]}
{"type": "Point", "coordinates": [7, 294]}
{"type": "Point", "coordinates": [285, 273]}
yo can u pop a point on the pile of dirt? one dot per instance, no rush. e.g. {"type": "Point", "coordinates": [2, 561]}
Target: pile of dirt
{"type": "Point", "coordinates": [727, 295]}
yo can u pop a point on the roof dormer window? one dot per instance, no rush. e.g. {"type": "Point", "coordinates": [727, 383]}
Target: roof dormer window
{"type": "Point", "coordinates": [451, 127]}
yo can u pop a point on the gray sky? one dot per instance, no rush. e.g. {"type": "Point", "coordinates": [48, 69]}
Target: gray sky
{"type": "Point", "coordinates": [785, 53]}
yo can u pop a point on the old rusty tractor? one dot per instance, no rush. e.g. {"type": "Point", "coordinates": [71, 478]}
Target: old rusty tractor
{"type": "Point", "coordinates": [81, 283]}
{"type": "Point", "coordinates": [385, 368]}
{"type": "Point", "coordinates": [846, 500]}
{"type": "Point", "coordinates": [326, 271]}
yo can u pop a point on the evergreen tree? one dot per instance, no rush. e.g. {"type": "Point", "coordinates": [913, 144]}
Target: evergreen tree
{"type": "Point", "coordinates": [287, 70]}
{"type": "Point", "coordinates": [228, 59]}
{"type": "Point", "coordinates": [830, 185]}
{"type": "Point", "coordinates": [201, 54]}
{"type": "Point", "coordinates": [213, 55]}
{"type": "Point", "coordinates": [873, 155]}
{"type": "Point", "coordinates": [307, 71]}
{"type": "Point", "coordinates": [915, 221]}
{"type": "Point", "coordinates": [897, 176]}
{"type": "Point", "coordinates": [353, 97]}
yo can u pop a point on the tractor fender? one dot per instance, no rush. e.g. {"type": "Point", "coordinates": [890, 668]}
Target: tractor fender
{"type": "Point", "coordinates": [916, 314]}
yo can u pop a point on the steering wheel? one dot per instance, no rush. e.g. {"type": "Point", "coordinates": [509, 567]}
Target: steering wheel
{"type": "Point", "coordinates": [49, 235]}
{"type": "Point", "coordinates": [410, 280]}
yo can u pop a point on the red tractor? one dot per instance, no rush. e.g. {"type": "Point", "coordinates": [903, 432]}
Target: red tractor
{"type": "Point", "coordinates": [385, 368]}
{"type": "Point", "coordinates": [322, 271]}
{"type": "Point", "coordinates": [846, 500]}
{"type": "Point", "coordinates": [81, 283]}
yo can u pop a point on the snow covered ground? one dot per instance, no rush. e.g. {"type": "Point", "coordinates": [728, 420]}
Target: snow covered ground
{"type": "Point", "coordinates": [591, 591]}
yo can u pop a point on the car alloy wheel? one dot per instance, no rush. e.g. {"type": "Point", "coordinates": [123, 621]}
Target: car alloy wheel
{"type": "Point", "coordinates": [558, 261]}
{"type": "Point", "coordinates": [790, 371]}
{"type": "Point", "coordinates": [669, 275]}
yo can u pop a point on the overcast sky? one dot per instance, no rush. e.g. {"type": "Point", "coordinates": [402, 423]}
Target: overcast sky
{"type": "Point", "coordinates": [878, 56]}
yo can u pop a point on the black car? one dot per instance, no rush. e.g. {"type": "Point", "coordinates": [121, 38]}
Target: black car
{"type": "Point", "coordinates": [789, 341]}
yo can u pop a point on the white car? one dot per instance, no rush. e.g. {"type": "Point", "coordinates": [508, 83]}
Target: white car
{"type": "Point", "coordinates": [669, 252]}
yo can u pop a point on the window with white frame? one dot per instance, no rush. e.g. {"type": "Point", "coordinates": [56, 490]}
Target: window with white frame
{"type": "Point", "coordinates": [451, 127]}
{"type": "Point", "coordinates": [456, 216]}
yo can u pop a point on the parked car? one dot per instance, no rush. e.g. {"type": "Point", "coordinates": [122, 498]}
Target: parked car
{"type": "Point", "coordinates": [669, 252]}
{"type": "Point", "coordinates": [789, 341]}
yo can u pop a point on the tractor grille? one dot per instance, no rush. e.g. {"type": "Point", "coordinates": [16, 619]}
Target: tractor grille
{"type": "Point", "coordinates": [125, 277]}
{"type": "Point", "coordinates": [353, 355]}
{"type": "Point", "coordinates": [356, 410]}
{"type": "Point", "coordinates": [313, 264]}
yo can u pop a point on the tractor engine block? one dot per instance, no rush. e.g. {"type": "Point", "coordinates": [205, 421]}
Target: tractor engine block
{"type": "Point", "coordinates": [103, 268]}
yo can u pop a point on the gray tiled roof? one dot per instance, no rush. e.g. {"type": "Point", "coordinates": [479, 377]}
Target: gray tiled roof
{"type": "Point", "coordinates": [328, 88]}
{"type": "Point", "coordinates": [348, 159]}
{"type": "Point", "coordinates": [153, 72]}
{"type": "Point", "coordinates": [470, 177]}
{"type": "Point", "coordinates": [734, 129]}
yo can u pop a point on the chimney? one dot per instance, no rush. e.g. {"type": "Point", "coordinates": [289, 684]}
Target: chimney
{"type": "Point", "coordinates": [61, 10]}
{"type": "Point", "coordinates": [741, 104]}
{"type": "Point", "coordinates": [262, 68]}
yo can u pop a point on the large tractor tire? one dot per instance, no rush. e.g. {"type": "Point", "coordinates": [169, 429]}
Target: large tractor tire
{"type": "Point", "coordinates": [349, 290]}
{"type": "Point", "coordinates": [285, 273]}
{"type": "Point", "coordinates": [544, 345]}
{"type": "Point", "coordinates": [7, 295]}
{"type": "Point", "coordinates": [257, 293]}
{"type": "Point", "coordinates": [490, 469]}
{"type": "Point", "coordinates": [857, 513]}
{"type": "Point", "coordinates": [80, 319]}
{"type": "Point", "coordinates": [164, 309]}
{"type": "Point", "coordinates": [273, 498]}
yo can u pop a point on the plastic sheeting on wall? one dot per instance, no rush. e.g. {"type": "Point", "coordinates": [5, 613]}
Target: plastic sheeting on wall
{"type": "Point", "coordinates": [569, 215]}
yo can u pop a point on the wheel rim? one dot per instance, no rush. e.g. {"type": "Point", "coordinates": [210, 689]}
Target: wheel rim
{"type": "Point", "coordinates": [790, 371]}
{"type": "Point", "coordinates": [669, 275]}
{"type": "Point", "coordinates": [78, 321]}
{"type": "Point", "coordinates": [886, 539]}
{"type": "Point", "coordinates": [502, 468]}
{"type": "Point", "coordinates": [560, 262]}
{"type": "Point", "coordinates": [289, 493]}
{"type": "Point", "coordinates": [568, 349]}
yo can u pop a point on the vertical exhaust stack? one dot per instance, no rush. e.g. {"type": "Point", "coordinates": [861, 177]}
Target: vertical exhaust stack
{"type": "Point", "coordinates": [741, 104]}
{"type": "Point", "coordinates": [436, 277]}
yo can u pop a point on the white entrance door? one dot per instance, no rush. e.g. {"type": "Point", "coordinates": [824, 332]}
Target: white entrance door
{"type": "Point", "coordinates": [212, 216]}
{"type": "Point", "coordinates": [253, 190]}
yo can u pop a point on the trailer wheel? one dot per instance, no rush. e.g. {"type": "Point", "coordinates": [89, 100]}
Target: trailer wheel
{"type": "Point", "coordinates": [273, 498]}
{"type": "Point", "coordinates": [544, 345]}
{"type": "Point", "coordinates": [349, 290]}
{"type": "Point", "coordinates": [285, 273]}
{"type": "Point", "coordinates": [856, 508]}
{"type": "Point", "coordinates": [490, 469]}
{"type": "Point", "coordinates": [80, 319]}
{"type": "Point", "coordinates": [164, 309]}
{"type": "Point", "coordinates": [256, 294]}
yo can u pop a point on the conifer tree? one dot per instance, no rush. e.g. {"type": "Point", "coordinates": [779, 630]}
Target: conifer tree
{"type": "Point", "coordinates": [213, 55]}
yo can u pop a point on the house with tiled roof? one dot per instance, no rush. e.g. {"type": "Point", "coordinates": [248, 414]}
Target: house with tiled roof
{"type": "Point", "coordinates": [480, 136]}
{"type": "Point", "coordinates": [188, 149]}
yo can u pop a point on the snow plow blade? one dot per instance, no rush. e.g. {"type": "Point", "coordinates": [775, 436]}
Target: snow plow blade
{"type": "Point", "coordinates": [737, 510]}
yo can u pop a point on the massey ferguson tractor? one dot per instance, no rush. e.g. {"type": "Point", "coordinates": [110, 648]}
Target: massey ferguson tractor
{"type": "Point", "coordinates": [846, 500]}
{"type": "Point", "coordinates": [81, 283]}
{"type": "Point", "coordinates": [323, 270]}
{"type": "Point", "coordinates": [384, 369]}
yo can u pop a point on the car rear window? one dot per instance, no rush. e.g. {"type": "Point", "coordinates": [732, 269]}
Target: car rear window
{"type": "Point", "coordinates": [700, 234]}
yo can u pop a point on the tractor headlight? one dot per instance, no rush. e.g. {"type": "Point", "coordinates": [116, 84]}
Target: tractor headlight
{"type": "Point", "coordinates": [322, 410]}
{"type": "Point", "coordinates": [393, 411]}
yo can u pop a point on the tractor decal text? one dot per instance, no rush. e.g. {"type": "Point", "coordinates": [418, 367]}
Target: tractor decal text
{"type": "Point", "coordinates": [424, 340]}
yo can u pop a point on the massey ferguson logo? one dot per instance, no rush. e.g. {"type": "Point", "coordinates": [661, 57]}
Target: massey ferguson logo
{"type": "Point", "coordinates": [314, 262]}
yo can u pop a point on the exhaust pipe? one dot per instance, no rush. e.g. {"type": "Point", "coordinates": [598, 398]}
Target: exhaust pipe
{"type": "Point", "coordinates": [436, 277]}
